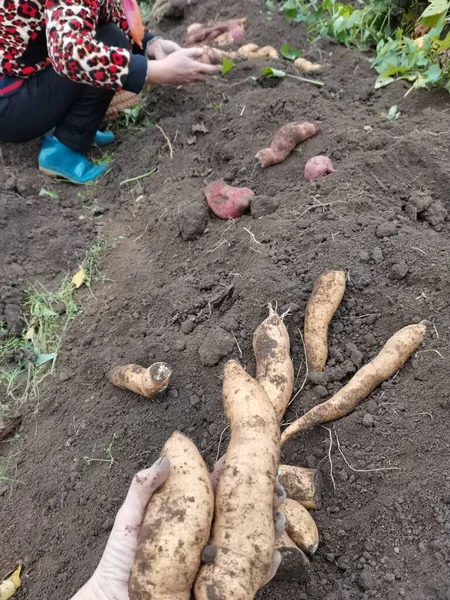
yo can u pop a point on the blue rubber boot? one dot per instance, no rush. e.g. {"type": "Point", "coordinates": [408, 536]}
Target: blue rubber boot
{"type": "Point", "coordinates": [102, 138]}
{"type": "Point", "coordinates": [58, 160]}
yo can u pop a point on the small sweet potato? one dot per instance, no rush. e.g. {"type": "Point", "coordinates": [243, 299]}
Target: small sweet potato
{"type": "Point", "coordinates": [301, 484]}
{"type": "Point", "coordinates": [322, 304]}
{"type": "Point", "coordinates": [146, 382]}
{"type": "Point", "coordinates": [318, 166]}
{"type": "Point", "coordinates": [394, 354]}
{"type": "Point", "coordinates": [300, 527]}
{"type": "Point", "coordinates": [176, 527]}
{"type": "Point", "coordinates": [284, 141]}
{"type": "Point", "coordinates": [306, 66]}
{"type": "Point", "coordinates": [226, 201]}
{"type": "Point", "coordinates": [253, 52]}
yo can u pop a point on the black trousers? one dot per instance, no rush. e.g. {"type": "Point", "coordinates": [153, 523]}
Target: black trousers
{"type": "Point", "coordinates": [48, 101]}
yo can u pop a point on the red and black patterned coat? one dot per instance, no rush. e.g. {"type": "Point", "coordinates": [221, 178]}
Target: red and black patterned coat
{"type": "Point", "coordinates": [71, 48]}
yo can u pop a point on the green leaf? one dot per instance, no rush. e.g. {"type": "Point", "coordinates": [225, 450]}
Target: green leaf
{"type": "Point", "coordinates": [41, 359]}
{"type": "Point", "coordinates": [269, 72]}
{"type": "Point", "coordinates": [227, 65]}
{"type": "Point", "coordinates": [433, 74]}
{"type": "Point", "coordinates": [48, 193]}
{"type": "Point", "coordinates": [40, 310]}
{"type": "Point", "coordinates": [290, 53]}
{"type": "Point", "coordinates": [436, 7]}
{"type": "Point", "coordinates": [383, 81]}
{"type": "Point", "coordinates": [393, 113]}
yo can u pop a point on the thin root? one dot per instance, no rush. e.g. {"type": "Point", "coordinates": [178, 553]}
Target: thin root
{"type": "Point", "coordinates": [167, 140]}
{"type": "Point", "coordinates": [359, 470]}
{"type": "Point", "coordinates": [329, 455]}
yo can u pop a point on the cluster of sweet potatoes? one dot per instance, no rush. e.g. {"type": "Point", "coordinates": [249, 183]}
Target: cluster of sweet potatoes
{"type": "Point", "coordinates": [215, 536]}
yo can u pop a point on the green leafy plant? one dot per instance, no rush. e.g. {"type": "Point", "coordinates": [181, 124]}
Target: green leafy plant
{"type": "Point", "coordinates": [289, 53]}
{"type": "Point", "coordinates": [388, 28]}
{"type": "Point", "coordinates": [362, 26]}
{"type": "Point", "coordinates": [419, 63]}
{"type": "Point", "coordinates": [271, 73]}
{"type": "Point", "coordinates": [227, 65]}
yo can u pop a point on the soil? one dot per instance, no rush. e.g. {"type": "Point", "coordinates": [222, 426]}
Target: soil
{"type": "Point", "coordinates": [194, 300]}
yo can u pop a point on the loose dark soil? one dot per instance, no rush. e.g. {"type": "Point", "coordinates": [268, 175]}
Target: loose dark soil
{"type": "Point", "coordinates": [382, 217]}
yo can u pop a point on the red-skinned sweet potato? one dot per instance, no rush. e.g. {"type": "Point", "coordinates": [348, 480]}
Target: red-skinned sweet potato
{"type": "Point", "coordinates": [226, 201]}
{"type": "Point", "coordinates": [284, 141]}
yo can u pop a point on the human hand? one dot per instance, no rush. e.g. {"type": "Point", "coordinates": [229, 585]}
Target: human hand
{"type": "Point", "coordinates": [159, 48]}
{"type": "Point", "coordinates": [180, 68]}
{"type": "Point", "coordinates": [110, 579]}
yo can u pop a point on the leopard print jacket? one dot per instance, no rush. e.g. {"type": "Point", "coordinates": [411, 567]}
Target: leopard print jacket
{"type": "Point", "coordinates": [72, 49]}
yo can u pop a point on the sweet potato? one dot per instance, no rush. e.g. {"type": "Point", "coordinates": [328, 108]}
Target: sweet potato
{"type": "Point", "coordinates": [211, 56]}
{"type": "Point", "coordinates": [253, 52]}
{"type": "Point", "coordinates": [243, 531]}
{"type": "Point", "coordinates": [146, 382]}
{"type": "Point", "coordinates": [134, 20]}
{"type": "Point", "coordinates": [394, 354]}
{"type": "Point", "coordinates": [306, 66]}
{"type": "Point", "coordinates": [224, 32]}
{"type": "Point", "coordinates": [300, 527]}
{"type": "Point", "coordinates": [175, 528]}
{"type": "Point", "coordinates": [318, 166]}
{"type": "Point", "coordinates": [226, 201]}
{"type": "Point", "coordinates": [285, 140]}
{"type": "Point", "coordinates": [274, 368]}
{"type": "Point", "coordinates": [301, 484]}
{"type": "Point", "coordinates": [294, 565]}
{"type": "Point", "coordinates": [322, 304]}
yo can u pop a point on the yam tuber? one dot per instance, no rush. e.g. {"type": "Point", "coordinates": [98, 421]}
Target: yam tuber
{"type": "Point", "coordinates": [322, 304]}
{"type": "Point", "coordinates": [226, 201]}
{"type": "Point", "coordinates": [318, 166]}
{"type": "Point", "coordinates": [146, 382]}
{"type": "Point", "coordinates": [243, 531]}
{"type": "Point", "coordinates": [306, 66]}
{"type": "Point", "coordinates": [294, 565]}
{"type": "Point", "coordinates": [300, 527]}
{"type": "Point", "coordinates": [274, 368]}
{"type": "Point", "coordinates": [176, 527]}
{"type": "Point", "coordinates": [285, 140]}
{"type": "Point", "coordinates": [301, 484]}
{"type": "Point", "coordinates": [394, 354]}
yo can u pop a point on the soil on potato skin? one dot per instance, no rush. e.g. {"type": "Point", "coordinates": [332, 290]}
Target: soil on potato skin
{"type": "Point", "coordinates": [384, 533]}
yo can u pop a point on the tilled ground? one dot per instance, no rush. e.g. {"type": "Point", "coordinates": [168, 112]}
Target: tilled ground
{"type": "Point", "coordinates": [382, 217]}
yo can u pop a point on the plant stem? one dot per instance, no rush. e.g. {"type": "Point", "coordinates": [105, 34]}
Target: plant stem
{"type": "Point", "coordinates": [313, 81]}
{"type": "Point", "coordinates": [132, 179]}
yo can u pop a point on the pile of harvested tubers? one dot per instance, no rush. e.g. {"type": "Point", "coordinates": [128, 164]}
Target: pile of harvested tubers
{"type": "Point", "coordinates": [217, 542]}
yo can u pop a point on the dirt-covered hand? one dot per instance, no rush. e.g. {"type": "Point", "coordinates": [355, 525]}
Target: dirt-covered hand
{"type": "Point", "coordinates": [159, 48]}
{"type": "Point", "coordinates": [180, 68]}
{"type": "Point", "coordinates": [110, 579]}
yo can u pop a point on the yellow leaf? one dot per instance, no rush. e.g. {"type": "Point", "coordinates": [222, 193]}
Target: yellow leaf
{"type": "Point", "coordinates": [78, 279]}
{"type": "Point", "coordinates": [11, 584]}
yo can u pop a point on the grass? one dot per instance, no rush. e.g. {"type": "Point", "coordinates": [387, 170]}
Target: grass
{"type": "Point", "coordinates": [27, 359]}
